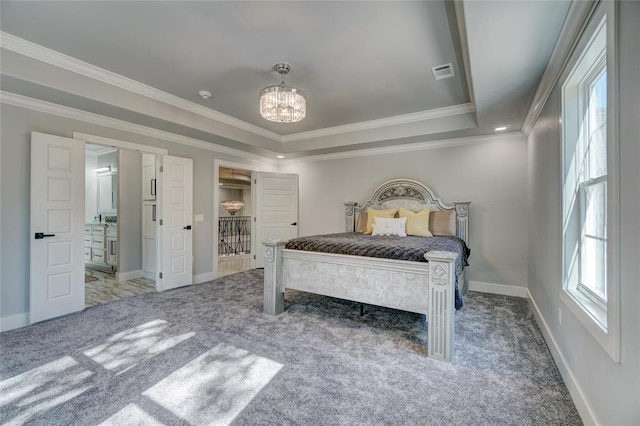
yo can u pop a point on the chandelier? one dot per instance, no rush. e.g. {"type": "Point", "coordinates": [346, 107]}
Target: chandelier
{"type": "Point", "coordinates": [232, 207]}
{"type": "Point", "coordinates": [281, 103]}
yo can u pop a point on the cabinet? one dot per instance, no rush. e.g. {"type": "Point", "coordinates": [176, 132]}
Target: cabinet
{"type": "Point", "coordinates": [107, 193]}
{"type": "Point", "coordinates": [101, 244]}
{"type": "Point", "coordinates": [112, 245]}
{"type": "Point", "coordinates": [149, 182]}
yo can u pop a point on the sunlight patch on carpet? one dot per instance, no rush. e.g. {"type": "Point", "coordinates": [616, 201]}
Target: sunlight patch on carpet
{"type": "Point", "coordinates": [42, 388]}
{"type": "Point", "coordinates": [215, 387]}
{"type": "Point", "coordinates": [131, 415]}
{"type": "Point", "coordinates": [130, 347]}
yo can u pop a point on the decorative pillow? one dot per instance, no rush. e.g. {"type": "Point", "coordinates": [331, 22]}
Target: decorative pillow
{"type": "Point", "coordinates": [387, 226]}
{"type": "Point", "coordinates": [373, 213]}
{"type": "Point", "coordinates": [443, 223]}
{"type": "Point", "coordinates": [361, 224]}
{"type": "Point", "coordinates": [417, 223]}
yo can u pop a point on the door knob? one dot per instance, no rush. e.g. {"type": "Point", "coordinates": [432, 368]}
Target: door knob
{"type": "Point", "coordinates": [294, 223]}
{"type": "Point", "coordinates": [187, 227]}
{"type": "Point", "coordinates": [41, 235]}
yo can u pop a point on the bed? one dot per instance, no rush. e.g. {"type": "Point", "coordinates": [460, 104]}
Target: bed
{"type": "Point", "coordinates": [428, 286]}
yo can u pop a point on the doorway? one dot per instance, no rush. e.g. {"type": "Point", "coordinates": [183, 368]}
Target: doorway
{"type": "Point", "coordinates": [114, 224]}
{"type": "Point", "coordinates": [235, 219]}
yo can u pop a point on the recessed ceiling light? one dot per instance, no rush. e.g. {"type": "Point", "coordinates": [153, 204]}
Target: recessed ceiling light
{"type": "Point", "coordinates": [279, 156]}
{"type": "Point", "coordinates": [205, 94]}
{"type": "Point", "coordinates": [501, 128]}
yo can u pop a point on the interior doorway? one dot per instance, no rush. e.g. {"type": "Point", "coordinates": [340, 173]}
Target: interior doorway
{"type": "Point", "coordinates": [235, 221]}
{"type": "Point", "coordinates": [114, 233]}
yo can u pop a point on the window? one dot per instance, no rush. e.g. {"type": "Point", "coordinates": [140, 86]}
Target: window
{"type": "Point", "coordinates": [592, 188]}
{"type": "Point", "coordinates": [589, 152]}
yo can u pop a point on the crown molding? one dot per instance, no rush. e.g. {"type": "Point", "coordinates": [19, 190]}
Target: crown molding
{"type": "Point", "coordinates": [458, 6]}
{"type": "Point", "coordinates": [574, 25]}
{"type": "Point", "coordinates": [420, 146]}
{"type": "Point", "coordinates": [52, 57]}
{"type": "Point", "coordinates": [383, 122]}
{"type": "Point", "coordinates": [20, 101]}
{"type": "Point", "coordinates": [60, 60]}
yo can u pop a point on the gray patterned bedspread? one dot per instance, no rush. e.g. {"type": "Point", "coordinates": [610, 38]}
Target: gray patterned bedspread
{"type": "Point", "coordinates": [387, 247]}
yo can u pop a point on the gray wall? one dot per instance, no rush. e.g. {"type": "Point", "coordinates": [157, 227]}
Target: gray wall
{"type": "Point", "coordinates": [17, 124]}
{"type": "Point", "coordinates": [129, 211]}
{"type": "Point", "coordinates": [611, 389]}
{"type": "Point", "coordinates": [492, 175]}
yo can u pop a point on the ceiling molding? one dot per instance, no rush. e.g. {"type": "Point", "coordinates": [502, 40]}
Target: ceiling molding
{"type": "Point", "coordinates": [574, 25]}
{"type": "Point", "coordinates": [55, 58]}
{"type": "Point", "coordinates": [100, 120]}
{"type": "Point", "coordinates": [103, 151]}
{"type": "Point", "coordinates": [60, 60]}
{"type": "Point", "coordinates": [464, 47]}
{"type": "Point", "coordinates": [420, 146]}
{"type": "Point", "coordinates": [383, 122]}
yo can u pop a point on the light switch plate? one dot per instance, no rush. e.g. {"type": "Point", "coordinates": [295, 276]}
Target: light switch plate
{"type": "Point", "coordinates": [198, 218]}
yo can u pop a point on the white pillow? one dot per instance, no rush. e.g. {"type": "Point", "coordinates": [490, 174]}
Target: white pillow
{"type": "Point", "coordinates": [389, 226]}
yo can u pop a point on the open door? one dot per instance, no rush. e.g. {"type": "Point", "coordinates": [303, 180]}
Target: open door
{"type": "Point", "coordinates": [176, 221]}
{"type": "Point", "coordinates": [57, 226]}
{"type": "Point", "coordinates": [276, 209]}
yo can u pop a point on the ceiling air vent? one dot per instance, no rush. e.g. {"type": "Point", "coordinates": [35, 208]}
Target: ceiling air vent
{"type": "Point", "coordinates": [443, 71]}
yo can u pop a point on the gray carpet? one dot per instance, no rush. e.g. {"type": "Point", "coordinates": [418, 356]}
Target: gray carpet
{"type": "Point", "coordinates": [206, 354]}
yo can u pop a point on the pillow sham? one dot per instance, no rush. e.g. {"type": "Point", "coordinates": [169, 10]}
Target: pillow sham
{"type": "Point", "coordinates": [361, 224]}
{"type": "Point", "coordinates": [417, 223]}
{"type": "Point", "coordinates": [373, 213]}
{"type": "Point", "coordinates": [389, 226]}
{"type": "Point", "coordinates": [443, 223]}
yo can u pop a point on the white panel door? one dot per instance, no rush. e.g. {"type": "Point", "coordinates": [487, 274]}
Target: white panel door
{"type": "Point", "coordinates": [176, 222]}
{"type": "Point", "coordinates": [276, 209]}
{"type": "Point", "coordinates": [57, 226]}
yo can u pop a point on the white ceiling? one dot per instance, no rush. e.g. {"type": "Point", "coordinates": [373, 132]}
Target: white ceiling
{"type": "Point", "coordinates": [357, 61]}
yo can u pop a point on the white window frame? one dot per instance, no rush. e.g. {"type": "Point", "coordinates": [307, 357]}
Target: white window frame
{"type": "Point", "coordinates": [600, 316]}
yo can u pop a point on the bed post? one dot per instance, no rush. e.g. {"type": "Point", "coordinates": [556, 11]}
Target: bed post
{"type": "Point", "coordinates": [442, 288]}
{"type": "Point", "coordinates": [462, 232]}
{"type": "Point", "coordinates": [273, 285]}
{"type": "Point", "coordinates": [462, 220]}
{"type": "Point", "coordinates": [350, 216]}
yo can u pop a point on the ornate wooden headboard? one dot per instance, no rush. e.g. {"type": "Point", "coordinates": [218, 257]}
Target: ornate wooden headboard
{"type": "Point", "coordinates": [411, 195]}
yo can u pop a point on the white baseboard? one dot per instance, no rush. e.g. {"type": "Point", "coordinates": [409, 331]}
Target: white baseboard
{"type": "Point", "coordinates": [203, 278]}
{"type": "Point", "coordinates": [149, 275]}
{"type": "Point", "coordinates": [126, 276]}
{"type": "Point", "coordinates": [14, 321]}
{"type": "Point", "coordinates": [505, 290]}
{"type": "Point", "coordinates": [585, 409]}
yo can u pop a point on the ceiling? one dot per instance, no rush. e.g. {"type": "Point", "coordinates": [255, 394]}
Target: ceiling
{"type": "Point", "coordinates": [365, 66]}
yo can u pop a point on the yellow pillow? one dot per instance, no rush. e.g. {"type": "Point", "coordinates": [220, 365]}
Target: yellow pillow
{"type": "Point", "coordinates": [371, 213]}
{"type": "Point", "coordinates": [417, 223]}
{"type": "Point", "coordinates": [361, 224]}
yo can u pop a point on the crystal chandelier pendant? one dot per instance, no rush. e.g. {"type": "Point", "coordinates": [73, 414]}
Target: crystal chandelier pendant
{"type": "Point", "coordinates": [282, 103]}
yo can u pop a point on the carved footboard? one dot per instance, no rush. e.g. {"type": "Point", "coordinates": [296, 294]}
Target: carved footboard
{"type": "Point", "coordinates": [425, 288]}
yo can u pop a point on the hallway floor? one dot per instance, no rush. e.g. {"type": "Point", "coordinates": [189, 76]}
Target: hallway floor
{"type": "Point", "coordinates": [102, 287]}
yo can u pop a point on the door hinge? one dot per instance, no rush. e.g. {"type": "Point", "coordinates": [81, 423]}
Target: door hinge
{"type": "Point", "coordinates": [160, 275]}
{"type": "Point", "coordinates": [255, 219]}
{"type": "Point", "coordinates": [161, 222]}
{"type": "Point", "coordinates": [254, 257]}
{"type": "Point", "coordinates": [255, 181]}
{"type": "Point", "coordinates": [161, 169]}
